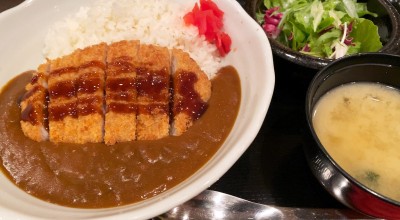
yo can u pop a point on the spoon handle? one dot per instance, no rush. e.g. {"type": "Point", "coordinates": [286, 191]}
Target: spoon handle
{"type": "Point", "coordinates": [216, 205]}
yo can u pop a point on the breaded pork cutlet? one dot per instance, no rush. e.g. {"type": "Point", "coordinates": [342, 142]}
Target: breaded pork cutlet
{"type": "Point", "coordinates": [152, 83]}
{"type": "Point", "coordinates": [192, 90]}
{"type": "Point", "coordinates": [90, 93]}
{"type": "Point", "coordinates": [120, 119]}
{"type": "Point", "coordinates": [34, 106]}
{"type": "Point", "coordinates": [63, 115]}
{"type": "Point", "coordinates": [116, 93]}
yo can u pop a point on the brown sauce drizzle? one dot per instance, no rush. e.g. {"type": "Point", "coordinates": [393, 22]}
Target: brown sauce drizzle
{"type": "Point", "coordinates": [120, 107]}
{"type": "Point", "coordinates": [59, 112]}
{"type": "Point", "coordinates": [90, 105]}
{"type": "Point", "coordinates": [121, 65]}
{"type": "Point", "coordinates": [36, 77]}
{"type": "Point", "coordinates": [120, 84]}
{"type": "Point", "coordinates": [88, 85]}
{"type": "Point", "coordinates": [32, 113]}
{"type": "Point", "coordinates": [69, 89]}
{"type": "Point", "coordinates": [64, 70]}
{"type": "Point", "coordinates": [72, 69]}
{"type": "Point", "coordinates": [121, 96]}
{"type": "Point", "coordinates": [29, 114]}
{"type": "Point", "coordinates": [150, 84]}
{"type": "Point", "coordinates": [153, 84]}
{"type": "Point", "coordinates": [65, 89]}
{"type": "Point", "coordinates": [31, 92]}
{"type": "Point", "coordinates": [190, 102]}
{"type": "Point", "coordinates": [93, 63]}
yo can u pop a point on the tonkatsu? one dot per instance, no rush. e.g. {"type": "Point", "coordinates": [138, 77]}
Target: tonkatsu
{"type": "Point", "coordinates": [62, 107]}
{"type": "Point", "coordinates": [90, 93]}
{"type": "Point", "coordinates": [192, 90]}
{"type": "Point", "coordinates": [113, 93]}
{"type": "Point", "coordinates": [153, 81]}
{"type": "Point", "coordinates": [33, 105]}
{"type": "Point", "coordinates": [120, 90]}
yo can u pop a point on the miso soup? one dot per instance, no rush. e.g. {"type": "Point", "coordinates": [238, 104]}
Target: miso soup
{"type": "Point", "coordinates": [359, 126]}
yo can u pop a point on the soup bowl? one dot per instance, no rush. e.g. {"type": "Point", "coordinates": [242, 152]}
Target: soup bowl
{"type": "Point", "coordinates": [388, 22]}
{"type": "Point", "coordinates": [370, 67]}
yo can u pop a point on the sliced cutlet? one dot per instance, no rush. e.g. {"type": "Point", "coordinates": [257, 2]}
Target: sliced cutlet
{"type": "Point", "coordinates": [90, 93]}
{"type": "Point", "coordinates": [152, 83]}
{"type": "Point", "coordinates": [120, 119]}
{"type": "Point", "coordinates": [192, 90]}
{"type": "Point", "coordinates": [34, 106]}
{"type": "Point", "coordinates": [63, 117]}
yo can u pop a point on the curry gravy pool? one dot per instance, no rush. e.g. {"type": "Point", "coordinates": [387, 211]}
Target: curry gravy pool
{"type": "Point", "coordinates": [97, 175]}
{"type": "Point", "coordinates": [358, 125]}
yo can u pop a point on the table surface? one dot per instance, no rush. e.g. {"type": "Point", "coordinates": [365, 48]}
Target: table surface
{"type": "Point", "coordinates": [274, 169]}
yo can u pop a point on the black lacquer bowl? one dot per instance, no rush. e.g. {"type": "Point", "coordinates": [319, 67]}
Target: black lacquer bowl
{"type": "Point", "coordinates": [369, 67]}
{"type": "Point", "coordinates": [388, 22]}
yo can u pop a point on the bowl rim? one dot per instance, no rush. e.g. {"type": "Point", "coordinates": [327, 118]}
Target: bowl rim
{"type": "Point", "coordinates": [326, 73]}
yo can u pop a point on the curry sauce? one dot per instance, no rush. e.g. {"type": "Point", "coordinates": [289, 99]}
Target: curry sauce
{"type": "Point", "coordinates": [96, 175]}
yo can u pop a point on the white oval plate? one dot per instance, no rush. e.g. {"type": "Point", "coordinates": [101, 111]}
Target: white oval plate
{"type": "Point", "coordinates": [23, 29]}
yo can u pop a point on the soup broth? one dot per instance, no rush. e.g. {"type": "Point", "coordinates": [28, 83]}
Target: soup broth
{"type": "Point", "coordinates": [358, 124]}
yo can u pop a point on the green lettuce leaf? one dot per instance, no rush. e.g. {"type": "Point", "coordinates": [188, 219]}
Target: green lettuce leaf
{"type": "Point", "coordinates": [362, 10]}
{"type": "Point", "coordinates": [350, 7]}
{"type": "Point", "coordinates": [365, 32]}
{"type": "Point", "coordinates": [354, 48]}
{"type": "Point", "coordinates": [260, 17]}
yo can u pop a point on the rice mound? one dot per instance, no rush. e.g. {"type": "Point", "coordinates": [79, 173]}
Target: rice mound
{"type": "Point", "coordinates": [157, 22]}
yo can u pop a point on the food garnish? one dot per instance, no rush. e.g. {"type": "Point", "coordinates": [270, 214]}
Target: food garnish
{"type": "Point", "coordinates": [327, 28]}
{"type": "Point", "coordinates": [370, 179]}
{"type": "Point", "coordinates": [371, 176]}
{"type": "Point", "coordinates": [208, 18]}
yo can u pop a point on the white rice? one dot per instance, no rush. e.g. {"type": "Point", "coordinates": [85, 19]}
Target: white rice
{"type": "Point", "coordinates": [152, 22]}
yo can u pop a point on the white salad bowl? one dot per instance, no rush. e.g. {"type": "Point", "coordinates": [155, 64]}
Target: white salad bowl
{"type": "Point", "coordinates": [23, 30]}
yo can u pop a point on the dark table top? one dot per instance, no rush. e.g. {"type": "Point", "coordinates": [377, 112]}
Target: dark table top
{"type": "Point", "coordinates": [274, 169]}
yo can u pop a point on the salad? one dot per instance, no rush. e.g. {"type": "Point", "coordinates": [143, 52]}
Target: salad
{"type": "Point", "coordinates": [321, 28]}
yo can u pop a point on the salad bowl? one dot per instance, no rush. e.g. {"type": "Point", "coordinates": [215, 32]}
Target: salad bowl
{"type": "Point", "coordinates": [387, 21]}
